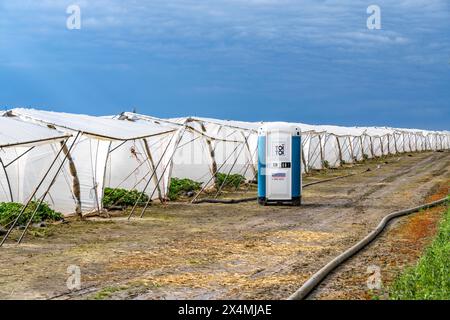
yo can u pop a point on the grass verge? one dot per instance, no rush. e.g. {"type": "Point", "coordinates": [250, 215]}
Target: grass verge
{"type": "Point", "coordinates": [430, 278]}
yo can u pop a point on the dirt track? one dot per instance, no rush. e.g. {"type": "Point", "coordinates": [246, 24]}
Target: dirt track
{"type": "Point", "coordinates": [239, 251]}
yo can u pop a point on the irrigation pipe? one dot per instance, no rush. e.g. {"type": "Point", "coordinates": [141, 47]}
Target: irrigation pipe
{"type": "Point", "coordinates": [225, 201]}
{"type": "Point", "coordinates": [320, 275]}
{"type": "Point", "coordinates": [232, 201]}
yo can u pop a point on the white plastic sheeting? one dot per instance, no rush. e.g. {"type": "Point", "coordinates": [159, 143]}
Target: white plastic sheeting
{"type": "Point", "coordinates": [132, 151]}
{"type": "Point", "coordinates": [26, 152]}
{"type": "Point", "coordinates": [14, 133]}
{"type": "Point", "coordinates": [98, 127]}
{"type": "Point", "coordinates": [323, 145]}
{"type": "Point", "coordinates": [130, 166]}
{"type": "Point", "coordinates": [208, 146]}
{"type": "Point", "coordinates": [101, 141]}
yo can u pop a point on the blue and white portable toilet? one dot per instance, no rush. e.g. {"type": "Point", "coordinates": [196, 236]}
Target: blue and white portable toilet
{"type": "Point", "coordinates": [279, 164]}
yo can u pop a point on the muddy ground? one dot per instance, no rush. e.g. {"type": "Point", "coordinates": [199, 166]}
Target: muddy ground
{"type": "Point", "coordinates": [239, 251]}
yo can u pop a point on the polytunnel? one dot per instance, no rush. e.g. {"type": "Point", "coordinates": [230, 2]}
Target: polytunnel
{"type": "Point", "coordinates": [208, 147]}
{"type": "Point", "coordinates": [27, 152]}
{"type": "Point", "coordinates": [211, 145]}
{"type": "Point", "coordinates": [80, 186]}
{"type": "Point", "coordinates": [140, 152]}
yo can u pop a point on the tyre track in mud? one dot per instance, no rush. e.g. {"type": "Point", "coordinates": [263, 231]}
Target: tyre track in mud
{"type": "Point", "coordinates": [389, 185]}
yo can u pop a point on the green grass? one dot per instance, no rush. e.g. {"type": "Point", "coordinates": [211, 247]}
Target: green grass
{"type": "Point", "coordinates": [430, 278]}
{"type": "Point", "coordinates": [107, 292]}
{"type": "Point", "coordinates": [10, 210]}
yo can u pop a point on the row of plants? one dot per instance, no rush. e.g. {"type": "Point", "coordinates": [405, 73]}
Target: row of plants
{"type": "Point", "coordinates": [182, 187]}
{"type": "Point", "coordinates": [10, 210]}
{"type": "Point", "coordinates": [123, 198]}
{"type": "Point", "coordinates": [225, 181]}
{"type": "Point", "coordinates": [178, 188]}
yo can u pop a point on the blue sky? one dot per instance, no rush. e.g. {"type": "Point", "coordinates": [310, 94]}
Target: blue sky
{"type": "Point", "coordinates": [308, 61]}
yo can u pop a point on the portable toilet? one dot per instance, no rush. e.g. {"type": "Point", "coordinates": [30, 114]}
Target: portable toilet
{"type": "Point", "coordinates": [279, 164]}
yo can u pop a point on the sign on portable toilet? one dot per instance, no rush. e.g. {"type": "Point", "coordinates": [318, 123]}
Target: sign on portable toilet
{"type": "Point", "coordinates": [279, 164]}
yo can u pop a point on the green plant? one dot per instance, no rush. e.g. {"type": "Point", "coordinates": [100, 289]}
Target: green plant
{"type": "Point", "coordinates": [232, 180]}
{"type": "Point", "coordinates": [326, 164]}
{"type": "Point", "coordinates": [182, 186]}
{"type": "Point", "coordinates": [365, 156]}
{"type": "Point", "coordinates": [429, 279]}
{"type": "Point", "coordinates": [10, 210]}
{"type": "Point", "coordinates": [123, 197]}
{"type": "Point", "coordinates": [108, 292]}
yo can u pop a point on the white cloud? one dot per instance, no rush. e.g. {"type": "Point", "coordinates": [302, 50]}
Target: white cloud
{"type": "Point", "coordinates": [193, 28]}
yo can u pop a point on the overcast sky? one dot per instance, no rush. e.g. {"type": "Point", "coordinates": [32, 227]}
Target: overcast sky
{"type": "Point", "coordinates": [297, 60]}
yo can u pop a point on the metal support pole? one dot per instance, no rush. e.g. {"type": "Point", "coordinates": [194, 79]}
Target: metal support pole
{"type": "Point", "coordinates": [17, 158]}
{"type": "Point", "coordinates": [32, 195]}
{"type": "Point", "coordinates": [66, 155]}
{"type": "Point", "coordinates": [350, 143]}
{"type": "Point", "coordinates": [321, 151]}
{"type": "Point", "coordinates": [249, 163]}
{"type": "Point", "coordinates": [303, 158]}
{"type": "Point", "coordinates": [362, 147]}
{"type": "Point", "coordinates": [7, 180]}
{"type": "Point", "coordinates": [205, 185]}
{"type": "Point", "coordinates": [250, 154]}
{"type": "Point", "coordinates": [389, 143]}
{"type": "Point", "coordinates": [371, 147]}
{"type": "Point", "coordinates": [75, 180]}
{"type": "Point", "coordinates": [104, 176]}
{"type": "Point", "coordinates": [310, 154]}
{"type": "Point", "coordinates": [409, 142]}
{"type": "Point", "coordinates": [180, 136]}
{"type": "Point", "coordinates": [395, 144]}
{"type": "Point", "coordinates": [381, 144]}
{"type": "Point", "coordinates": [152, 166]}
{"type": "Point", "coordinates": [150, 179]}
{"type": "Point", "coordinates": [341, 160]}
{"type": "Point", "coordinates": [212, 155]}
{"type": "Point", "coordinates": [403, 138]}
{"type": "Point", "coordinates": [229, 172]}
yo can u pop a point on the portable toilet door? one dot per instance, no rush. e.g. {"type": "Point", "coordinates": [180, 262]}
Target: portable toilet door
{"type": "Point", "coordinates": [279, 164]}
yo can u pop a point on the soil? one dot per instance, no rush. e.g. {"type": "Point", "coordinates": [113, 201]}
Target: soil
{"type": "Point", "coordinates": [238, 251]}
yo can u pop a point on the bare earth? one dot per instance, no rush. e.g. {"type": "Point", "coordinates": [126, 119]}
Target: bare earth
{"type": "Point", "coordinates": [239, 251]}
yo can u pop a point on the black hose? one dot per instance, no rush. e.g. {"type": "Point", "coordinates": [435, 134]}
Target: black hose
{"type": "Point", "coordinates": [226, 201]}
{"type": "Point", "coordinates": [318, 277]}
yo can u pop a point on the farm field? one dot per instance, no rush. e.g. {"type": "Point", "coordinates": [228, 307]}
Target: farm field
{"type": "Point", "coordinates": [239, 251]}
